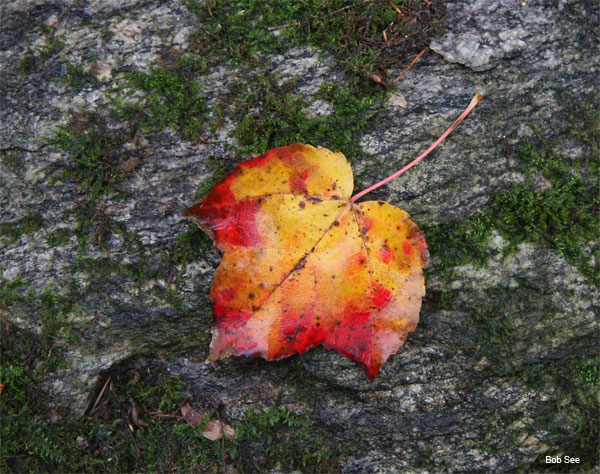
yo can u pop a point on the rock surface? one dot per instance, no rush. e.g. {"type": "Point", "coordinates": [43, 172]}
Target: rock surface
{"type": "Point", "coordinates": [447, 402]}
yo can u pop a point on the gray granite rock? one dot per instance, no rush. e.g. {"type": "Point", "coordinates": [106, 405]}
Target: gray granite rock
{"type": "Point", "coordinates": [443, 403]}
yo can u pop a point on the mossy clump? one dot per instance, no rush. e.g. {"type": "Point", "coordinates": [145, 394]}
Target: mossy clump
{"type": "Point", "coordinates": [78, 77]}
{"type": "Point", "coordinates": [171, 97]}
{"type": "Point", "coordinates": [49, 308]}
{"type": "Point", "coordinates": [29, 441]}
{"type": "Point", "coordinates": [277, 438]}
{"type": "Point", "coordinates": [94, 153]}
{"type": "Point", "coordinates": [367, 37]}
{"type": "Point", "coordinates": [190, 244]}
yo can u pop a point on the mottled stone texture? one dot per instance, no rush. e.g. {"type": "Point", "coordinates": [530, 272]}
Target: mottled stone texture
{"type": "Point", "coordinates": [446, 402]}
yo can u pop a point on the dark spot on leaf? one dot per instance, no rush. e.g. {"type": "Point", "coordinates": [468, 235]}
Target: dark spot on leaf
{"type": "Point", "coordinates": [302, 204]}
{"type": "Point", "coordinates": [300, 264]}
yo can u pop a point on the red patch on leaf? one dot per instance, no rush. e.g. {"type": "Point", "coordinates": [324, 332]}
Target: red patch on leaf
{"type": "Point", "coordinates": [385, 253]}
{"type": "Point", "coordinates": [380, 296]}
{"type": "Point", "coordinates": [239, 227]}
{"type": "Point", "coordinates": [298, 181]}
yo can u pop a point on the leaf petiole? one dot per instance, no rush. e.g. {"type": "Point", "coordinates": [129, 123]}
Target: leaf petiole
{"type": "Point", "coordinates": [466, 112]}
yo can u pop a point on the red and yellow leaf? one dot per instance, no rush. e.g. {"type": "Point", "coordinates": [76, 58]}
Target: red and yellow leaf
{"type": "Point", "coordinates": [305, 266]}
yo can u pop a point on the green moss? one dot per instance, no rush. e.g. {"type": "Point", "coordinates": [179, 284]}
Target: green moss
{"type": "Point", "coordinates": [101, 442]}
{"type": "Point", "coordinates": [171, 97]}
{"type": "Point", "coordinates": [27, 436]}
{"type": "Point", "coordinates": [107, 34]}
{"type": "Point", "coordinates": [79, 78]}
{"type": "Point", "coordinates": [207, 185]}
{"type": "Point", "coordinates": [49, 309]}
{"type": "Point", "coordinates": [33, 60]}
{"type": "Point", "coordinates": [11, 291]}
{"type": "Point", "coordinates": [10, 232]}
{"type": "Point", "coordinates": [13, 159]}
{"type": "Point", "coordinates": [111, 270]}
{"type": "Point", "coordinates": [58, 237]}
{"type": "Point", "coordinates": [277, 438]}
{"type": "Point", "coordinates": [190, 244]}
{"type": "Point", "coordinates": [353, 32]}
{"type": "Point", "coordinates": [268, 114]}
{"type": "Point", "coordinates": [135, 424]}
{"type": "Point", "coordinates": [168, 296]}
{"type": "Point", "coordinates": [29, 63]}
{"type": "Point", "coordinates": [95, 156]}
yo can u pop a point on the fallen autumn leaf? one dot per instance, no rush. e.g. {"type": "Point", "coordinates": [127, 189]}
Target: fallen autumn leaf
{"type": "Point", "coordinates": [193, 417]}
{"type": "Point", "coordinates": [215, 429]}
{"type": "Point", "coordinates": [304, 265]}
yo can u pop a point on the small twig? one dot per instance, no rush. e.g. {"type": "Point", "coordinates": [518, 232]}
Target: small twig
{"type": "Point", "coordinates": [95, 405]}
{"type": "Point", "coordinates": [281, 27]}
{"type": "Point", "coordinates": [396, 7]}
{"type": "Point", "coordinates": [410, 65]}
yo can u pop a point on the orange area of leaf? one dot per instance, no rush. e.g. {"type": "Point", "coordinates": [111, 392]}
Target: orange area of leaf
{"type": "Point", "coordinates": [304, 266]}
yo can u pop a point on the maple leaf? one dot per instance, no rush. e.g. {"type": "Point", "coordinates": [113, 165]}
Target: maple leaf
{"type": "Point", "coordinates": [304, 265]}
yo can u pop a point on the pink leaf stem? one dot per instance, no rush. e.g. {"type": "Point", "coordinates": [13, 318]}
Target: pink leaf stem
{"type": "Point", "coordinates": [466, 112]}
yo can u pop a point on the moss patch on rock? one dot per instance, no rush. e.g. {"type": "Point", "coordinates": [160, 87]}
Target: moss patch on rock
{"type": "Point", "coordinates": [134, 423]}
{"type": "Point", "coordinates": [561, 214]}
